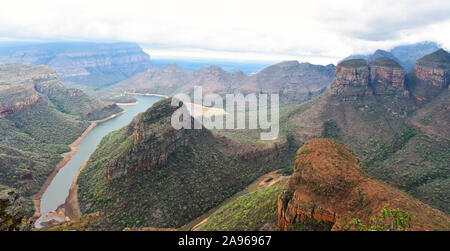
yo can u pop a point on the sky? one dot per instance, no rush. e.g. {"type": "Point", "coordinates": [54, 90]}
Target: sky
{"type": "Point", "coordinates": [315, 31]}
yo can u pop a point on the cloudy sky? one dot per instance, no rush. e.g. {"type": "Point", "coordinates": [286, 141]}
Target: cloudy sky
{"type": "Point", "coordinates": [315, 31]}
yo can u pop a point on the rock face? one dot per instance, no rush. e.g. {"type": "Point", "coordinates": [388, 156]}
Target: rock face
{"type": "Point", "coordinates": [294, 81]}
{"type": "Point", "coordinates": [354, 78]}
{"type": "Point", "coordinates": [386, 76]}
{"type": "Point", "coordinates": [84, 63]}
{"type": "Point", "coordinates": [154, 139]}
{"type": "Point", "coordinates": [351, 79]}
{"type": "Point", "coordinates": [328, 188]}
{"type": "Point", "coordinates": [431, 75]}
{"type": "Point", "coordinates": [12, 211]}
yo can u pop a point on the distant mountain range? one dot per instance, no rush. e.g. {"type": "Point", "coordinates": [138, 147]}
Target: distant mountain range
{"type": "Point", "coordinates": [405, 55]}
{"type": "Point", "coordinates": [85, 63]}
{"type": "Point", "coordinates": [294, 81]}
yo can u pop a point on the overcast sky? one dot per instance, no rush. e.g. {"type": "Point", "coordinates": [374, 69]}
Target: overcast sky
{"type": "Point", "coordinates": [315, 31]}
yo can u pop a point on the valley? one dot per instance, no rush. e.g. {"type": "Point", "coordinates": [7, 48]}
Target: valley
{"type": "Point", "coordinates": [363, 136]}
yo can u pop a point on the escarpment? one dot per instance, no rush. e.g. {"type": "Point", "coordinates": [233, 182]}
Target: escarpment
{"type": "Point", "coordinates": [328, 188]}
{"type": "Point", "coordinates": [355, 78]}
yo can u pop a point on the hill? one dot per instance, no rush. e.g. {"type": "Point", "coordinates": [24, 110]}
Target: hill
{"type": "Point", "coordinates": [329, 188]}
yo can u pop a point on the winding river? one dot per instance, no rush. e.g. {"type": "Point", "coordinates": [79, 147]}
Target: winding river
{"type": "Point", "coordinates": [58, 190]}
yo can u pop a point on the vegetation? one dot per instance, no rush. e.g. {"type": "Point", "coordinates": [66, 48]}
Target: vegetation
{"type": "Point", "coordinates": [353, 63]}
{"type": "Point", "coordinates": [252, 211]}
{"type": "Point", "coordinates": [194, 179]}
{"type": "Point", "coordinates": [331, 130]}
{"type": "Point", "coordinates": [386, 62]}
{"type": "Point", "coordinates": [389, 220]}
{"type": "Point", "coordinates": [42, 118]}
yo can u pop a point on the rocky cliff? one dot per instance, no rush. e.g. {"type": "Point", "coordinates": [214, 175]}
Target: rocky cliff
{"type": "Point", "coordinates": [351, 79]}
{"type": "Point", "coordinates": [83, 63]}
{"type": "Point", "coordinates": [386, 76]}
{"type": "Point", "coordinates": [329, 188]}
{"type": "Point", "coordinates": [431, 75]}
{"type": "Point", "coordinates": [355, 78]}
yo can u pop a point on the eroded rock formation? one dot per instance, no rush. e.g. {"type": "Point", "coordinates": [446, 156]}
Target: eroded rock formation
{"type": "Point", "coordinates": [328, 188]}
{"type": "Point", "coordinates": [354, 78]}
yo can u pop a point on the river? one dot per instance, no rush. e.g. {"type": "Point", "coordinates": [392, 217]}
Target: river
{"type": "Point", "coordinates": [58, 190]}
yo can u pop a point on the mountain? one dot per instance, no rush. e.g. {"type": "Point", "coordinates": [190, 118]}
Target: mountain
{"type": "Point", "coordinates": [294, 81]}
{"type": "Point", "coordinates": [377, 54]}
{"type": "Point", "coordinates": [92, 64]}
{"type": "Point", "coordinates": [406, 55]}
{"type": "Point", "coordinates": [150, 175]}
{"type": "Point", "coordinates": [329, 188]}
{"type": "Point", "coordinates": [399, 139]}
{"type": "Point", "coordinates": [430, 76]}
{"type": "Point", "coordinates": [39, 118]}
{"type": "Point", "coordinates": [409, 54]}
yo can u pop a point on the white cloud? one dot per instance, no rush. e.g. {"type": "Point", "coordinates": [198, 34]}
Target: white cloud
{"type": "Point", "coordinates": [317, 31]}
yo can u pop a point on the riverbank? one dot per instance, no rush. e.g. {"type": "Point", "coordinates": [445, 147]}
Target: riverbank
{"type": "Point", "coordinates": [128, 104]}
{"type": "Point", "coordinates": [71, 206]}
{"type": "Point", "coordinates": [66, 158]}
{"type": "Point", "coordinates": [148, 94]}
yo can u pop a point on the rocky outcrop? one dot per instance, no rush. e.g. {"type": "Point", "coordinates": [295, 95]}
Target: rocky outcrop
{"type": "Point", "coordinates": [351, 80]}
{"type": "Point", "coordinates": [354, 78]}
{"type": "Point", "coordinates": [431, 75]}
{"type": "Point", "coordinates": [386, 76]}
{"type": "Point", "coordinates": [12, 211]}
{"type": "Point", "coordinates": [328, 188]}
{"type": "Point", "coordinates": [152, 139]}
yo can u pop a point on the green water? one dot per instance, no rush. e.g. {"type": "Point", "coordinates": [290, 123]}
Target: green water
{"type": "Point", "coordinates": [57, 192]}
